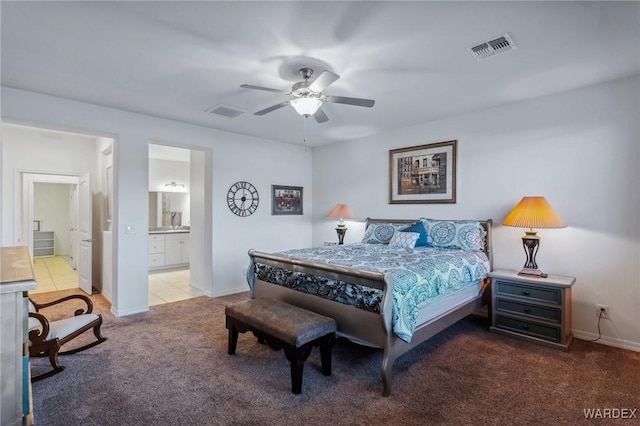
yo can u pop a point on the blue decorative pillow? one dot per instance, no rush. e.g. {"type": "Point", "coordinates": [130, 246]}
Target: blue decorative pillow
{"type": "Point", "coordinates": [403, 239]}
{"type": "Point", "coordinates": [461, 234]}
{"type": "Point", "coordinates": [421, 230]}
{"type": "Point", "coordinates": [381, 233]}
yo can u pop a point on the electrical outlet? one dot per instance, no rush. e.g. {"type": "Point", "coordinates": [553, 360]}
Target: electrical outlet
{"type": "Point", "coordinates": [605, 311]}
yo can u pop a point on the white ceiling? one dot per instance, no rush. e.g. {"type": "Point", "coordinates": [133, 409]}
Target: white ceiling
{"type": "Point", "coordinates": [177, 59]}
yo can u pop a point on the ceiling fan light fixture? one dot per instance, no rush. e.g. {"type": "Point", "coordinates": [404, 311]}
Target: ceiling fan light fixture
{"type": "Point", "coordinates": [306, 105]}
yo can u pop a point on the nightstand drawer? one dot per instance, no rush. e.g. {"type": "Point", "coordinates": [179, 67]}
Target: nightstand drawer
{"type": "Point", "coordinates": [542, 312]}
{"type": "Point", "coordinates": [540, 331]}
{"type": "Point", "coordinates": [529, 292]}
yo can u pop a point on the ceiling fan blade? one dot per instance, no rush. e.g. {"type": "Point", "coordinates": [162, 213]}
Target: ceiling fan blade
{"type": "Point", "coordinates": [323, 81]}
{"type": "Point", "coordinates": [351, 101]}
{"type": "Point", "coordinates": [320, 116]}
{"type": "Point", "coordinates": [272, 108]}
{"type": "Point", "coordinates": [266, 89]}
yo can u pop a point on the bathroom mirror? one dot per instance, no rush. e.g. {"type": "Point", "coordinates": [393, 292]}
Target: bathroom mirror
{"type": "Point", "coordinates": [169, 209]}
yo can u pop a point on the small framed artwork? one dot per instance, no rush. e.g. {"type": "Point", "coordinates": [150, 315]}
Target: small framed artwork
{"type": "Point", "coordinates": [423, 174]}
{"type": "Point", "coordinates": [286, 200]}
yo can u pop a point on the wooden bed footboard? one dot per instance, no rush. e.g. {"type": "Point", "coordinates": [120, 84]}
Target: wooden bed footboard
{"type": "Point", "coordinates": [352, 322]}
{"type": "Point", "coordinates": [365, 327]}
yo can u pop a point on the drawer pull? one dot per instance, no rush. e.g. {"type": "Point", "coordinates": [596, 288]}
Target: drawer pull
{"type": "Point", "coordinates": [526, 310]}
{"type": "Point", "coordinates": [526, 293]}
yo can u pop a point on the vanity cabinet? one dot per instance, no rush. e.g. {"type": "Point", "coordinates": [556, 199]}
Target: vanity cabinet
{"type": "Point", "coordinates": [168, 250]}
{"type": "Point", "coordinates": [176, 249]}
{"type": "Point", "coordinates": [156, 250]}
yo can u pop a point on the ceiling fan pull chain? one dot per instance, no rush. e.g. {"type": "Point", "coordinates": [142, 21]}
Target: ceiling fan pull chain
{"type": "Point", "coordinates": [304, 131]}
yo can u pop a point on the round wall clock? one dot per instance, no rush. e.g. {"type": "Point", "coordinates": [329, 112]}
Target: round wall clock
{"type": "Point", "coordinates": [242, 199]}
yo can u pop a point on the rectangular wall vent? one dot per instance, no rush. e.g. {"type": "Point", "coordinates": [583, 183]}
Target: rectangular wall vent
{"type": "Point", "coordinates": [225, 111]}
{"type": "Point", "coordinates": [493, 47]}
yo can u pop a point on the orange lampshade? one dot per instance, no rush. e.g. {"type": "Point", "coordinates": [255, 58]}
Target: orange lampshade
{"type": "Point", "coordinates": [341, 211]}
{"type": "Point", "coordinates": [534, 212]}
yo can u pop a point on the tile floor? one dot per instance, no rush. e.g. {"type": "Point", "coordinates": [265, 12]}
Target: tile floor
{"type": "Point", "coordinates": [171, 286]}
{"type": "Point", "coordinates": [55, 273]}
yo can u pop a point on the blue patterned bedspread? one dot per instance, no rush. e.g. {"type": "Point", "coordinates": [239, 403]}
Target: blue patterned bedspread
{"type": "Point", "coordinates": [417, 275]}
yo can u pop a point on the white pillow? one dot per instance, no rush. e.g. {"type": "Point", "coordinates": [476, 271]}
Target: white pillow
{"type": "Point", "coordinates": [405, 240]}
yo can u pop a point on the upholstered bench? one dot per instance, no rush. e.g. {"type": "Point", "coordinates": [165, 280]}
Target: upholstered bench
{"type": "Point", "coordinates": [283, 326]}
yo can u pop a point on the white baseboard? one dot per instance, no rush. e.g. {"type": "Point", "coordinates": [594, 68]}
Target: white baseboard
{"type": "Point", "coordinates": [137, 310]}
{"type": "Point", "coordinates": [229, 292]}
{"type": "Point", "coordinates": [606, 340]}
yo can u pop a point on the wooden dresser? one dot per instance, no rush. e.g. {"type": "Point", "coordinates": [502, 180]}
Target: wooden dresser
{"type": "Point", "coordinates": [531, 308]}
{"type": "Point", "coordinates": [17, 278]}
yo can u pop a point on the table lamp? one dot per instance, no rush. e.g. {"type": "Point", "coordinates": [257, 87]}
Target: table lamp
{"type": "Point", "coordinates": [341, 212]}
{"type": "Point", "coordinates": [533, 212]}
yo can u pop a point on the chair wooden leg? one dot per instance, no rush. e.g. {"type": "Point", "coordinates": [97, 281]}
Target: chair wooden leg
{"type": "Point", "coordinates": [96, 332]}
{"type": "Point", "coordinates": [82, 348]}
{"type": "Point", "coordinates": [54, 347]}
{"type": "Point", "coordinates": [49, 373]}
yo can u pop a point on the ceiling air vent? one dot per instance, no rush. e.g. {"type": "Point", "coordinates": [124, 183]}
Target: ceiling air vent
{"type": "Point", "coordinates": [225, 111]}
{"type": "Point", "coordinates": [493, 47]}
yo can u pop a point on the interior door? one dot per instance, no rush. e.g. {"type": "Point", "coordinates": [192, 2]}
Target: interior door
{"type": "Point", "coordinates": [73, 227]}
{"type": "Point", "coordinates": [85, 235]}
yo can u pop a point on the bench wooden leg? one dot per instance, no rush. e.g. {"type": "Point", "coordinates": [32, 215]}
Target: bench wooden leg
{"type": "Point", "coordinates": [297, 357]}
{"type": "Point", "coordinates": [233, 339]}
{"type": "Point", "coordinates": [325, 353]}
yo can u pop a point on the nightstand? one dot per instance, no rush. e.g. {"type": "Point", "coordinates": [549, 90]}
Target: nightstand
{"type": "Point", "coordinates": [531, 308]}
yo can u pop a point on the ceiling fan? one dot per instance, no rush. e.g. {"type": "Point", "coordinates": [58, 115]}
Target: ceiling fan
{"type": "Point", "coordinates": [308, 96]}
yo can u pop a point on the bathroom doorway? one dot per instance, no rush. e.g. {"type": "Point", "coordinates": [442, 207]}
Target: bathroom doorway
{"type": "Point", "coordinates": [170, 206]}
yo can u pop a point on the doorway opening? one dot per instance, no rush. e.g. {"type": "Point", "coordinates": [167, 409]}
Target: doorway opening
{"type": "Point", "coordinates": [57, 220]}
{"type": "Point", "coordinates": [53, 212]}
{"type": "Point", "coordinates": [53, 244]}
{"type": "Point", "coordinates": [172, 181]}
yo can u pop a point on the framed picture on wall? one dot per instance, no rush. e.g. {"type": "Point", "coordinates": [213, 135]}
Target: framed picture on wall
{"type": "Point", "coordinates": [286, 200]}
{"type": "Point", "coordinates": [423, 174]}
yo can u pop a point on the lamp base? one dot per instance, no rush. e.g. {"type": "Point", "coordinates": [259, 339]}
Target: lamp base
{"type": "Point", "coordinates": [531, 243]}
{"type": "Point", "coordinates": [341, 230]}
{"type": "Point", "coordinates": [528, 272]}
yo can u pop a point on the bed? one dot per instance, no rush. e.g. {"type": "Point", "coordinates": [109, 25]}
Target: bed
{"type": "Point", "coordinates": [365, 326]}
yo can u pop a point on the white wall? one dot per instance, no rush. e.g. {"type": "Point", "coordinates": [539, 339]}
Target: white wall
{"type": "Point", "coordinates": [234, 157]}
{"type": "Point", "coordinates": [579, 149]}
{"type": "Point", "coordinates": [31, 151]}
{"type": "Point", "coordinates": [201, 221]}
{"type": "Point", "coordinates": [162, 172]}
